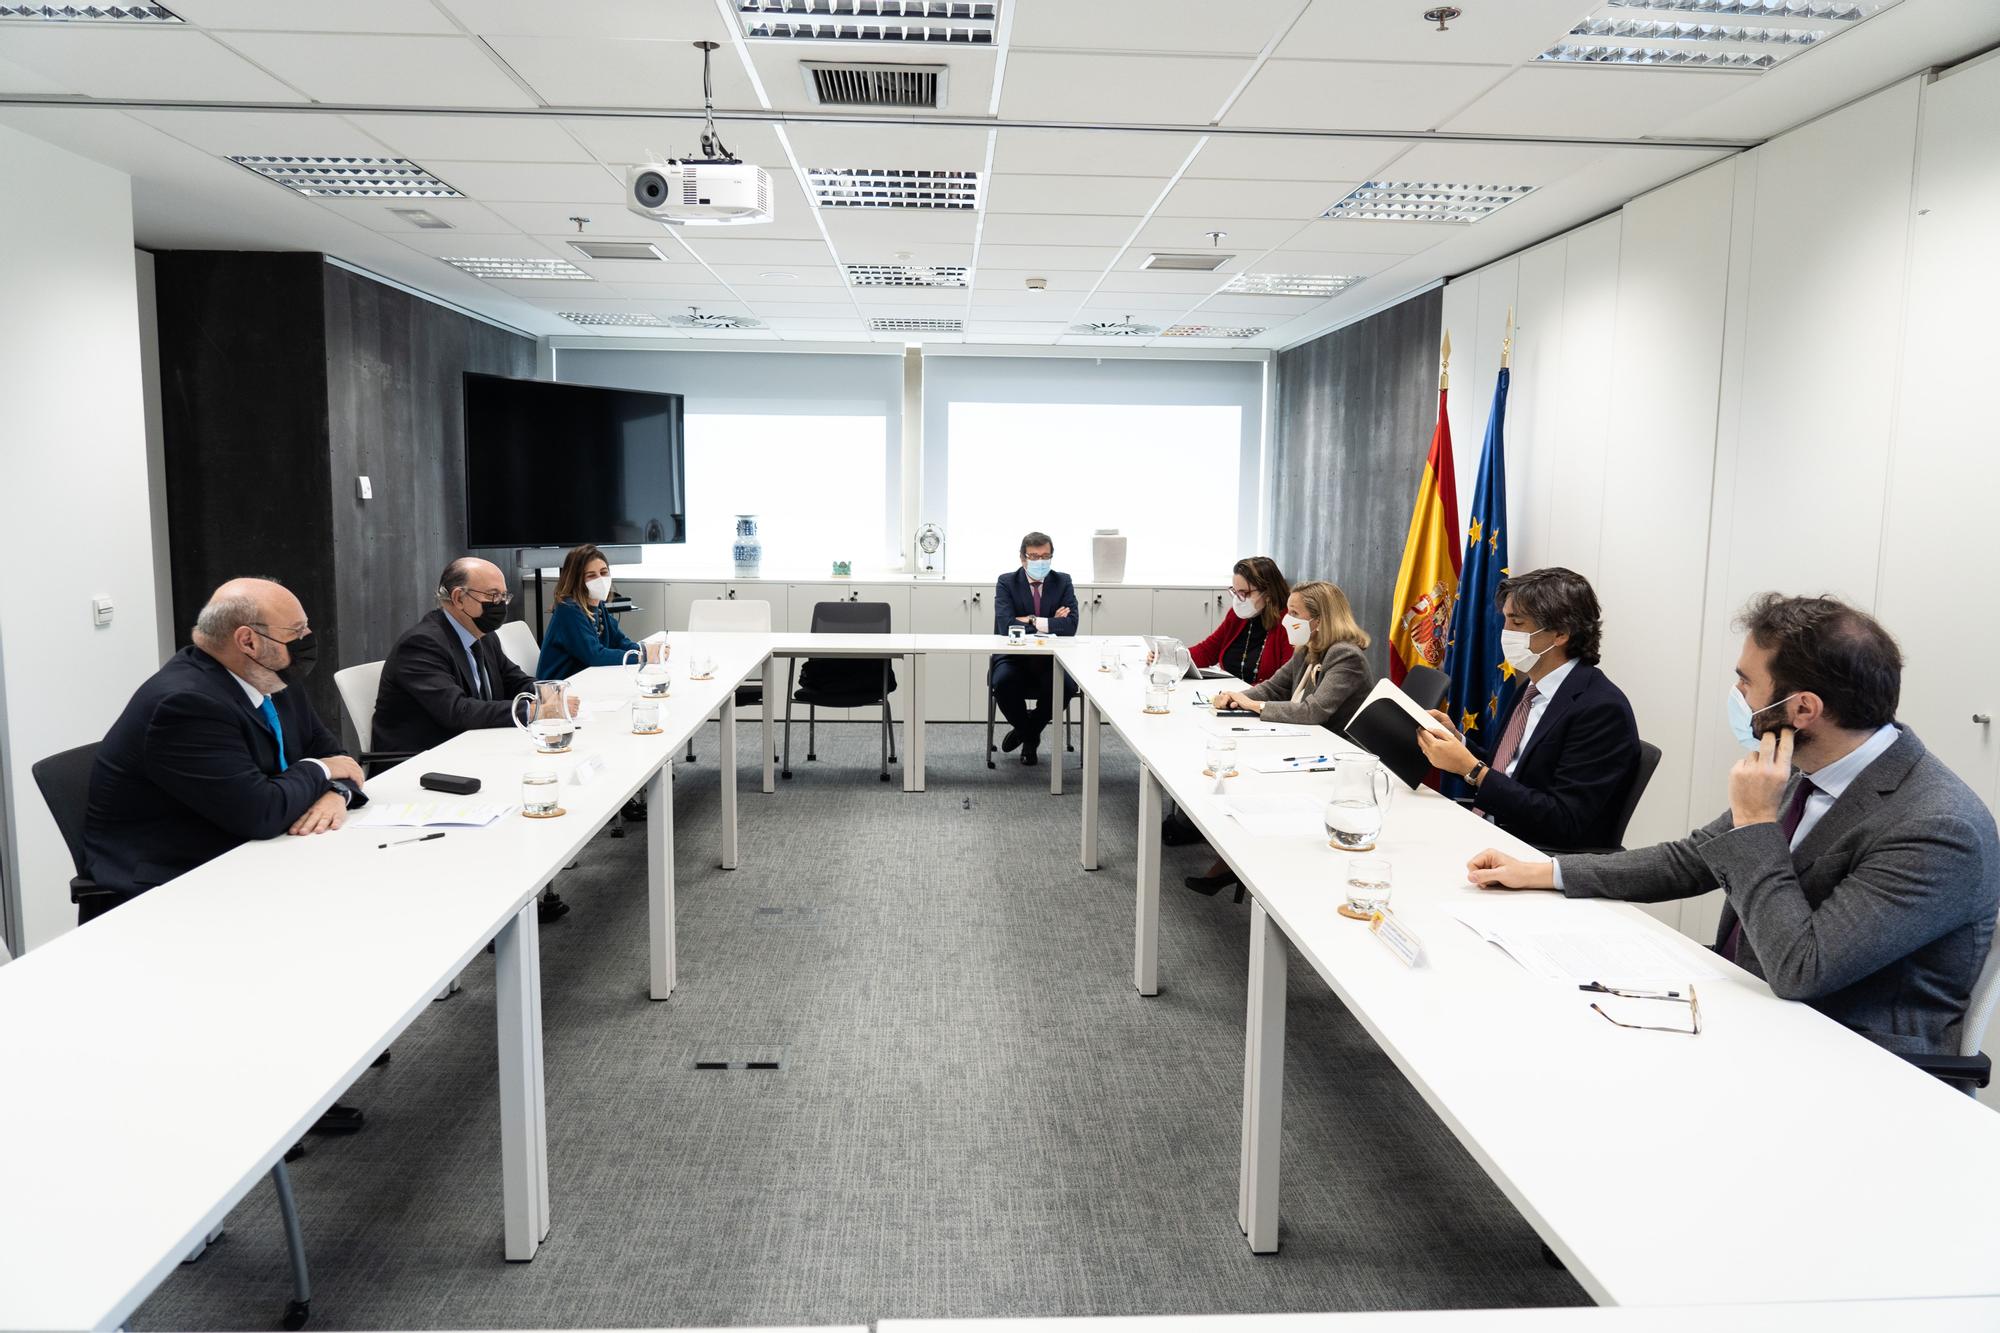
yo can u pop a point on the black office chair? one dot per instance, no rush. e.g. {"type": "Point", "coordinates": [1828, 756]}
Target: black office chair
{"type": "Point", "coordinates": [1427, 686]}
{"type": "Point", "coordinates": [1649, 760]}
{"type": "Point", "coordinates": [842, 682]}
{"type": "Point", "coordinates": [64, 780]}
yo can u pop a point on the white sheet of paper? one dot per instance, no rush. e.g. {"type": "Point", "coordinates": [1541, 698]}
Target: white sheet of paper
{"type": "Point", "coordinates": [1278, 816]}
{"type": "Point", "coordinates": [1250, 726]}
{"type": "Point", "coordinates": [1322, 764]}
{"type": "Point", "coordinates": [1561, 947]}
{"type": "Point", "coordinates": [427, 814]}
{"type": "Point", "coordinates": [1385, 689]}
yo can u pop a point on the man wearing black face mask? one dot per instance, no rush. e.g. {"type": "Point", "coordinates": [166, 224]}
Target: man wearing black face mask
{"type": "Point", "coordinates": [448, 674]}
{"type": "Point", "coordinates": [214, 750]}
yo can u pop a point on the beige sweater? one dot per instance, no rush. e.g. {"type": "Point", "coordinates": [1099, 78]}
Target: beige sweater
{"type": "Point", "coordinates": [1323, 693]}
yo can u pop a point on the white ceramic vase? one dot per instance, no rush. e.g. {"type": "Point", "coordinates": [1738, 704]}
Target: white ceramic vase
{"type": "Point", "coordinates": [1107, 556]}
{"type": "Point", "coordinates": [748, 549]}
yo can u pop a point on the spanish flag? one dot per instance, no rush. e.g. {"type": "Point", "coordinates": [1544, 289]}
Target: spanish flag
{"type": "Point", "coordinates": [1427, 582]}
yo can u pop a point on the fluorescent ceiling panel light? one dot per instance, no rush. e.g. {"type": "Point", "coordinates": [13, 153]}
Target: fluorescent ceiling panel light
{"type": "Point", "coordinates": [874, 187]}
{"type": "Point", "coordinates": [90, 13]}
{"type": "Point", "coordinates": [1425, 201]}
{"type": "Point", "coordinates": [1745, 35]}
{"type": "Point", "coordinates": [422, 217]}
{"type": "Point", "coordinates": [551, 270]}
{"type": "Point", "coordinates": [349, 177]}
{"type": "Point", "coordinates": [1208, 331]}
{"type": "Point", "coordinates": [1120, 328]}
{"type": "Point", "coordinates": [1290, 284]}
{"type": "Point", "coordinates": [906, 275]}
{"type": "Point", "coordinates": [624, 319]}
{"type": "Point", "coordinates": [916, 325]}
{"type": "Point", "coordinates": [642, 250]}
{"type": "Point", "coordinates": [1203, 261]}
{"type": "Point", "coordinates": [1836, 11]}
{"type": "Point", "coordinates": [931, 22]}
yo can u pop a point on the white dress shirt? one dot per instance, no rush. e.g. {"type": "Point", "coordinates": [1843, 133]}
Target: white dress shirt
{"type": "Point", "coordinates": [257, 697]}
{"type": "Point", "coordinates": [1545, 690]}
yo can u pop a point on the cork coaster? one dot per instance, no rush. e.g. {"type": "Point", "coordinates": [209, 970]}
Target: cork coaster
{"type": "Point", "coordinates": [556, 813]}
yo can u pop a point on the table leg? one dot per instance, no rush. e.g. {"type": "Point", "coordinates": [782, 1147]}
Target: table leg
{"type": "Point", "coordinates": [1263, 1083]}
{"type": "Point", "coordinates": [660, 879]}
{"type": "Point", "coordinates": [727, 740]}
{"type": "Point", "coordinates": [1056, 715]}
{"type": "Point", "coordinates": [524, 1143]}
{"type": "Point", "coordinates": [1146, 918]}
{"type": "Point", "coordinates": [1090, 763]}
{"type": "Point", "coordinates": [769, 705]}
{"type": "Point", "coordinates": [913, 725]}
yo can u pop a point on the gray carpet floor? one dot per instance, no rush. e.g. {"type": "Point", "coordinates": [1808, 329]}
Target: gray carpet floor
{"type": "Point", "coordinates": [976, 1114]}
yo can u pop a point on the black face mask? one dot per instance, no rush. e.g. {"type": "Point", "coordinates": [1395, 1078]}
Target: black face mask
{"type": "Point", "coordinates": [492, 615]}
{"type": "Point", "coordinates": [305, 652]}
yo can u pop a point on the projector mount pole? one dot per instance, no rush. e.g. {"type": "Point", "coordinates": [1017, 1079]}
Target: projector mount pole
{"type": "Point", "coordinates": [712, 147]}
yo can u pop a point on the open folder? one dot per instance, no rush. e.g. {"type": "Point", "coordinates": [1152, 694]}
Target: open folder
{"type": "Point", "coordinates": [1386, 725]}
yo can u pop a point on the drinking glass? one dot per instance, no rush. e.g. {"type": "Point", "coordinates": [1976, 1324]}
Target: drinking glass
{"type": "Point", "coordinates": [1369, 881]}
{"type": "Point", "coordinates": [1107, 656]}
{"type": "Point", "coordinates": [1016, 633]}
{"type": "Point", "coordinates": [646, 717]}
{"type": "Point", "coordinates": [1221, 756]}
{"type": "Point", "coordinates": [539, 793]}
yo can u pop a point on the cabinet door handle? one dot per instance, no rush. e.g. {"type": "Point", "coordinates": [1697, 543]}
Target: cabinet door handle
{"type": "Point", "coordinates": [975, 599]}
{"type": "Point", "coordinates": [1982, 719]}
{"type": "Point", "coordinates": [732, 594]}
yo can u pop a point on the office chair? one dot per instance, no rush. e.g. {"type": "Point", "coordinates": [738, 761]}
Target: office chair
{"type": "Point", "coordinates": [1649, 760]}
{"type": "Point", "coordinates": [64, 780]}
{"type": "Point", "coordinates": [518, 642]}
{"type": "Point", "coordinates": [1427, 686]}
{"type": "Point", "coordinates": [716, 615]}
{"type": "Point", "coordinates": [842, 682]}
{"type": "Point", "coordinates": [993, 705]}
{"type": "Point", "coordinates": [358, 686]}
{"type": "Point", "coordinates": [1969, 1070]}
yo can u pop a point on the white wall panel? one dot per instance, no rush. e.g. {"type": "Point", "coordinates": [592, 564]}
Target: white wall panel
{"type": "Point", "coordinates": [1581, 419]}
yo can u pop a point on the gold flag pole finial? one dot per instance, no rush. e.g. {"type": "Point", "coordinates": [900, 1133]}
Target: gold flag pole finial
{"type": "Point", "coordinates": [1444, 362]}
{"type": "Point", "coordinates": [1507, 343]}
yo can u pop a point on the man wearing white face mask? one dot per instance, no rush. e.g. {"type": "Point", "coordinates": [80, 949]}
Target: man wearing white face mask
{"type": "Point", "coordinates": [1862, 876]}
{"type": "Point", "coordinates": [1556, 767]}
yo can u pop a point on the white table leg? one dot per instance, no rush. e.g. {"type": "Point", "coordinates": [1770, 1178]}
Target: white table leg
{"type": "Point", "coordinates": [1056, 715]}
{"type": "Point", "coordinates": [1146, 917]}
{"type": "Point", "coordinates": [1263, 1083]}
{"type": "Point", "coordinates": [524, 1146]}
{"type": "Point", "coordinates": [913, 726]}
{"type": "Point", "coordinates": [660, 878]}
{"type": "Point", "coordinates": [771, 703]}
{"type": "Point", "coordinates": [1090, 761]}
{"type": "Point", "coordinates": [727, 740]}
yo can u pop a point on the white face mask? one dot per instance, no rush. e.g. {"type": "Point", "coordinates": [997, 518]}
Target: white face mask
{"type": "Point", "coordinates": [1297, 631]}
{"type": "Point", "coordinates": [1514, 647]}
{"type": "Point", "coordinates": [1244, 607]}
{"type": "Point", "coordinates": [598, 588]}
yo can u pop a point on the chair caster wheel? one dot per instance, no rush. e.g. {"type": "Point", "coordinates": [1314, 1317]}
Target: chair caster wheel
{"type": "Point", "coordinates": [989, 763]}
{"type": "Point", "coordinates": [296, 1314]}
{"type": "Point", "coordinates": [786, 775]}
{"type": "Point", "coordinates": [885, 777]}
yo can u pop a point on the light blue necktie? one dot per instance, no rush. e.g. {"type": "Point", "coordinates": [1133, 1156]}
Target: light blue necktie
{"type": "Point", "coordinates": [270, 711]}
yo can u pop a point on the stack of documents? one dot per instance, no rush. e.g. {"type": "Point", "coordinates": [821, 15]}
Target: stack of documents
{"type": "Point", "coordinates": [1578, 947]}
{"type": "Point", "coordinates": [427, 814]}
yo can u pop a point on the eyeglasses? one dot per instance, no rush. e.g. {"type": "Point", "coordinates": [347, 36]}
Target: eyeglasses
{"type": "Point", "coordinates": [258, 627]}
{"type": "Point", "coordinates": [490, 598]}
{"type": "Point", "coordinates": [1690, 999]}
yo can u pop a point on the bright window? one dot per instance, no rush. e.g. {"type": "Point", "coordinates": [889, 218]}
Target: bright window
{"type": "Point", "coordinates": [1167, 477]}
{"type": "Point", "coordinates": [814, 482]}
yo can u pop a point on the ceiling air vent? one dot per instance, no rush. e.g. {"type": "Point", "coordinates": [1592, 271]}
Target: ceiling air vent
{"type": "Point", "coordinates": [1120, 328]}
{"type": "Point", "coordinates": [916, 325]}
{"type": "Point", "coordinates": [644, 250]}
{"type": "Point", "coordinates": [694, 319]}
{"type": "Point", "coordinates": [1207, 261]}
{"type": "Point", "coordinates": [1209, 331]}
{"type": "Point", "coordinates": [621, 318]}
{"type": "Point", "coordinates": [906, 275]}
{"type": "Point", "coordinates": [894, 187]}
{"type": "Point", "coordinates": [935, 22]}
{"type": "Point", "coordinates": [904, 87]}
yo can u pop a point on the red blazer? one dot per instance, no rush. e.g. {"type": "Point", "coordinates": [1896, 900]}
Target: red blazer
{"type": "Point", "coordinates": [1277, 649]}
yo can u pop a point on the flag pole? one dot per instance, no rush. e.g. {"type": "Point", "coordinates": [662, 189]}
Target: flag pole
{"type": "Point", "coordinates": [1507, 343]}
{"type": "Point", "coordinates": [1444, 362]}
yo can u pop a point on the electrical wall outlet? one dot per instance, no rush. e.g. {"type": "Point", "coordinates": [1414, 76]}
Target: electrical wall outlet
{"type": "Point", "coordinates": [363, 489]}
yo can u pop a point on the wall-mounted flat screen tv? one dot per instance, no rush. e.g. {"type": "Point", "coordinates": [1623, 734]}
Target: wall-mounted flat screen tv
{"type": "Point", "coordinates": [551, 464]}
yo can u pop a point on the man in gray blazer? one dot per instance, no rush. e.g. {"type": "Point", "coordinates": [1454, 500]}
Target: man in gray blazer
{"type": "Point", "coordinates": [1867, 881]}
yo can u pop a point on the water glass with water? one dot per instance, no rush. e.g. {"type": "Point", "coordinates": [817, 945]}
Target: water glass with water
{"type": "Point", "coordinates": [1369, 882]}
{"type": "Point", "coordinates": [1221, 757]}
{"type": "Point", "coordinates": [1107, 656]}
{"type": "Point", "coordinates": [646, 717]}
{"type": "Point", "coordinates": [1358, 804]}
{"type": "Point", "coordinates": [540, 793]}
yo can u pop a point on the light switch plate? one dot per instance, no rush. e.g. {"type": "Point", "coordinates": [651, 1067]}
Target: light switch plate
{"type": "Point", "coordinates": [100, 611]}
{"type": "Point", "coordinates": [363, 489]}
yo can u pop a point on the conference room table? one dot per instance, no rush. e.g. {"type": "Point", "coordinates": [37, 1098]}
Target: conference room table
{"type": "Point", "coordinates": [1910, 1316]}
{"type": "Point", "coordinates": [1777, 1156]}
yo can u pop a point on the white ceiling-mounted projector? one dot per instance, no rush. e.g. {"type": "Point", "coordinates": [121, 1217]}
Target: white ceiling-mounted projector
{"type": "Point", "coordinates": [716, 189]}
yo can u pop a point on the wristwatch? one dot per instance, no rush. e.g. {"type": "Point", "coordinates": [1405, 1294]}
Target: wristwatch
{"type": "Point", "coordinates": [345, 788]}
{"type": "Point", "coordinates": [1478, 773]}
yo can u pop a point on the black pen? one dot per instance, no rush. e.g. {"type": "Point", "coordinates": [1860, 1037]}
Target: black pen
{"type": "Point", "coordinates": [1303, 758]}
{"type": "Point", "coordinates": [403, 842]}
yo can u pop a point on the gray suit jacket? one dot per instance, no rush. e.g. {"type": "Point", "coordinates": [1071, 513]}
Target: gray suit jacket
{"type": "Point", "coordinates": [1335, 686]}
{"type": "Point", "coordinates": [1882, 917]}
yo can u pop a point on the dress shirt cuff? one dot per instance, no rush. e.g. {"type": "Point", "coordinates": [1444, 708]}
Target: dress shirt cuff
{"type": "Point", "coordinates": [1556, 868]}
{"type": "Point", "coordinates": [322, 767]}
{"type": "Point", "coordinates": [1041, 624]}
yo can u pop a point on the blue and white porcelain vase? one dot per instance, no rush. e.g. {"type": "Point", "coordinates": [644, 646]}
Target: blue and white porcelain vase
{"type": "Point", "coordinates": [748, 549]}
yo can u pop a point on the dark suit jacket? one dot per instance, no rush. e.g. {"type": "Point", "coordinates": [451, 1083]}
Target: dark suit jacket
{"type": "Point", "coordinates": [427, 694]}
{"type": "Point", "coordinates": [1013, 597]}
{"type": "Point", "coordinates": [1880, 919]}
{"type": "Point", "coordinates": [1575, 770]}
{"type": "Point", "coordinates": [190, 770]}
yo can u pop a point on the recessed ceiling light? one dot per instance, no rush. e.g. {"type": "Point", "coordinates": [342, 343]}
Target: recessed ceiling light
{"type": "Point", "coordinates": [950, 22]}
{"type": "Point", "coordinates": [1424, 201]}
{"type": "Point", "coordinates": [906, 275]}
{"type": "Point", "coordinates": [641, 250]}
{"type": "Point", "coordinates": [92, 13]}
{"type": "Point", "coordinates": [1836, 11]}
{"type": "Point", "coordinates": [348, 177]}
{"type": "Point", "coordinates": [917, 325]}
{"type": "Point", "coordinates": [621, 318]}
{"type": "Point", "coordinates": [1120, 328]}
{"type": "Point", "coordinates": [779, 277]}
{"type": "Point", "coordinates": [422, 217]}
{"type": "Point", "coordinates": [1699, 34]}
{"type": "Point", "coordinates": [551, 270]}
{"type": "Point", "coordinates": [1290, 284]}
{"type": "Point", "coordinates": [876, 187]}
{"type": "Point", "coordinates": [1206, 261]}
{"type": "Point", "coordinates": [694, 319]}
{"type": "Point", "coordinates": [1209, 331]}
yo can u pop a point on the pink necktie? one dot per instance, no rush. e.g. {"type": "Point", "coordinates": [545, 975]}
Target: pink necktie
{"type": "Point", "coordinates": [1517, 726]}
{"type": "Point", "coordinates": [1036, 589]}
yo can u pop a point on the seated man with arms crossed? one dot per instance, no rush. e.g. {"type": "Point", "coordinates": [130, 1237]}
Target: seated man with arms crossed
{"type": "Point", "coordinates": [1865, 882]}
{"type": "Point", "coordinates": [1042, 599]}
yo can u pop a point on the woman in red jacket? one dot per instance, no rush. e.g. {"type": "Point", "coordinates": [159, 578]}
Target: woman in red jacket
{"type": "Point", "coordinates": [1247, 644]}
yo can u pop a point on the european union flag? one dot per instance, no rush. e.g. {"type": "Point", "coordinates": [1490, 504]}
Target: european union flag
{"type": "Point", "coordinates": [1478, 671]}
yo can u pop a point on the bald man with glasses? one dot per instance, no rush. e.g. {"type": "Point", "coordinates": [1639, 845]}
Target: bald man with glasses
{"type": "Point", "coordinates": [448, 674]}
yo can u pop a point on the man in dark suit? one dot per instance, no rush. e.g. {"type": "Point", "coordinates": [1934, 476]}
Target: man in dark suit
{"type": "Point", "coordinates": [1861, 875]}
{"type": "Point", "coordinates": [214, 750]}
{"type": "Point", "coordinates": [1043, 601]}
{"type": "Point", "coordinates": [1558, 770]}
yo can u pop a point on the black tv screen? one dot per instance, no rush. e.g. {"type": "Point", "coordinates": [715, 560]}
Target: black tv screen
{"type": "Point", "coordinates": [561, 464]}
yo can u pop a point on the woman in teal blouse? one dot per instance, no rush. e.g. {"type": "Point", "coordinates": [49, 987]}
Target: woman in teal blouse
{"type": "Point", "coordinates": [582, 633]}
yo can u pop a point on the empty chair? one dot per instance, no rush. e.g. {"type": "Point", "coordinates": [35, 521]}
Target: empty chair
{"type": "Point", "coordinates": [719, 615]}
{"type": "Point", "coordinates": [358, 686]}
{"type": "Point", "coordinates": [64, 780]}
{"type": "Point", "coordinates": [518, 642]}
{"type": "Point", "coordinates": [842, 682]}
{"type": "Point", "coordinates": [1427, 686]}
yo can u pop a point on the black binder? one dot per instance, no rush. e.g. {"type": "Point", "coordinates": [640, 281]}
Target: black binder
{"type": "Point", "coordinates": [1385, 729]}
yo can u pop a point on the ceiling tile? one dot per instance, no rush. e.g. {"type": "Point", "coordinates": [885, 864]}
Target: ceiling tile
{"type": "Point", "coordinates": [610, 221]}
{"type": "Point", "coordinates": [688, 20]}
{"type": "Point", "coordinates": [1295, 201]}
{"type": "Point", "coordinates": [1028, 152]}
{"type": "Point", "coordinates": [626, 140]}
{"type": "Point", "coordinates": [1102, 196]}
{"type": "Point", "coordinates": [16, 79]}
{"type": "Point", "coordinates": [992, 278]}
{"type": "Point", "coordinates": [1149, 25]}
{"type": "Point", "coordinates": [1048, 256]}
{"type": "Point", "coordinates": [1619, 103]}
{"type": "Point", "coordinates": [1122, 302]}
{"type": "Point", "coordinates": [1185, 90]}
{"type": "Point", "coordinates": [1244, 236]}
{"type": "Point", "coordinates": [1017, 328]}
{"type": "Point", "coordinates": [790, 295]}
{"type": "Point", "coordinates": [315, 15]}
{"type": "Point", "coordinates": [474, 138]}
{"type": "Point", "coordinates": [683, 288]}
{"type": "Point", "coordinates": [584, 185]}
{"type": "Point", "coordinates": [1388, 238]}
{"type": "Point", "coordinates": [915, 147]}
{"type": "Point", "coordinates": [602, 71]}
{"type": "Point", "coordinates": [741, 276]}
{"type": "Point", "coordinates": [1232, 303]}
{"type": "Point", "coordinates": [465, 216]}
{"type": "Point", "coordinates": [171, 63]}
{"type": "Point", "coordinates": [720, 306]}
{"type": "Point", "coordinates": [272, 133]}
{"type": "Point", "coordinates": [831, 310]}
{"type": "Point", "coordinates": [1070, 229]}
{"type": "Point", "coordinates": [1129, 277]}
{"type": "Point", "coordinates": [768, 253]}
{"type": "Point", "coordinates": [867, 297]}
{"type": "Point", "coordinates": [897, 227]}
{"type": "Point", "coordinates": [413, 71]}
{"type": "Point", "coordinates": [500, 245]}
{"type": "Point", "coordinates": [1492, 163]}
{"type": "Point", "coordinates": [1352, 95]}
{"type": "Point", "coordinates": [1502, 34]}
{"type": "Point", "coordinates": [1285, 158]}
{"type": "Point", "coordinates": [1344, 264]}
{"type": "Point", "coordinates": [904, 252]}
{"type": "Point", "coordinates": [812, 324]}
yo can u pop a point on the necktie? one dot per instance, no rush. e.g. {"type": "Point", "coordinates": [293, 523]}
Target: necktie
{"type": "Point", "coordinates": [270, 712]}
{"type": "Point", "coordinates": [479, 685]}
{"type": "Point", "coordinates": [1036, 589]}
{"type": "Point", "coordinates": [1788, 824]}
{"type": "Point", "coordinates": [1517, 727]}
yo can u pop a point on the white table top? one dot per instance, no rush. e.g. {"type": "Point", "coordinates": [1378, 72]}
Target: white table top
{"type": "Point", "coordinates": [798, 643]}
{"type": "Point", "coordinates": [179, 1045]}
{"type": "Point", "coordinates": [1637, 1155]}
{"type": "Point", "coordinates": [1915, 1316]}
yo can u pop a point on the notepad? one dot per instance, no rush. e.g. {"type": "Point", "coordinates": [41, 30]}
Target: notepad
{"type": "Point", "coordinates": [1386, 725]}
{"type": "Point", "coordinates": [1562, 946]}
{"type": "Point", "coordinates": [427, 814]}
